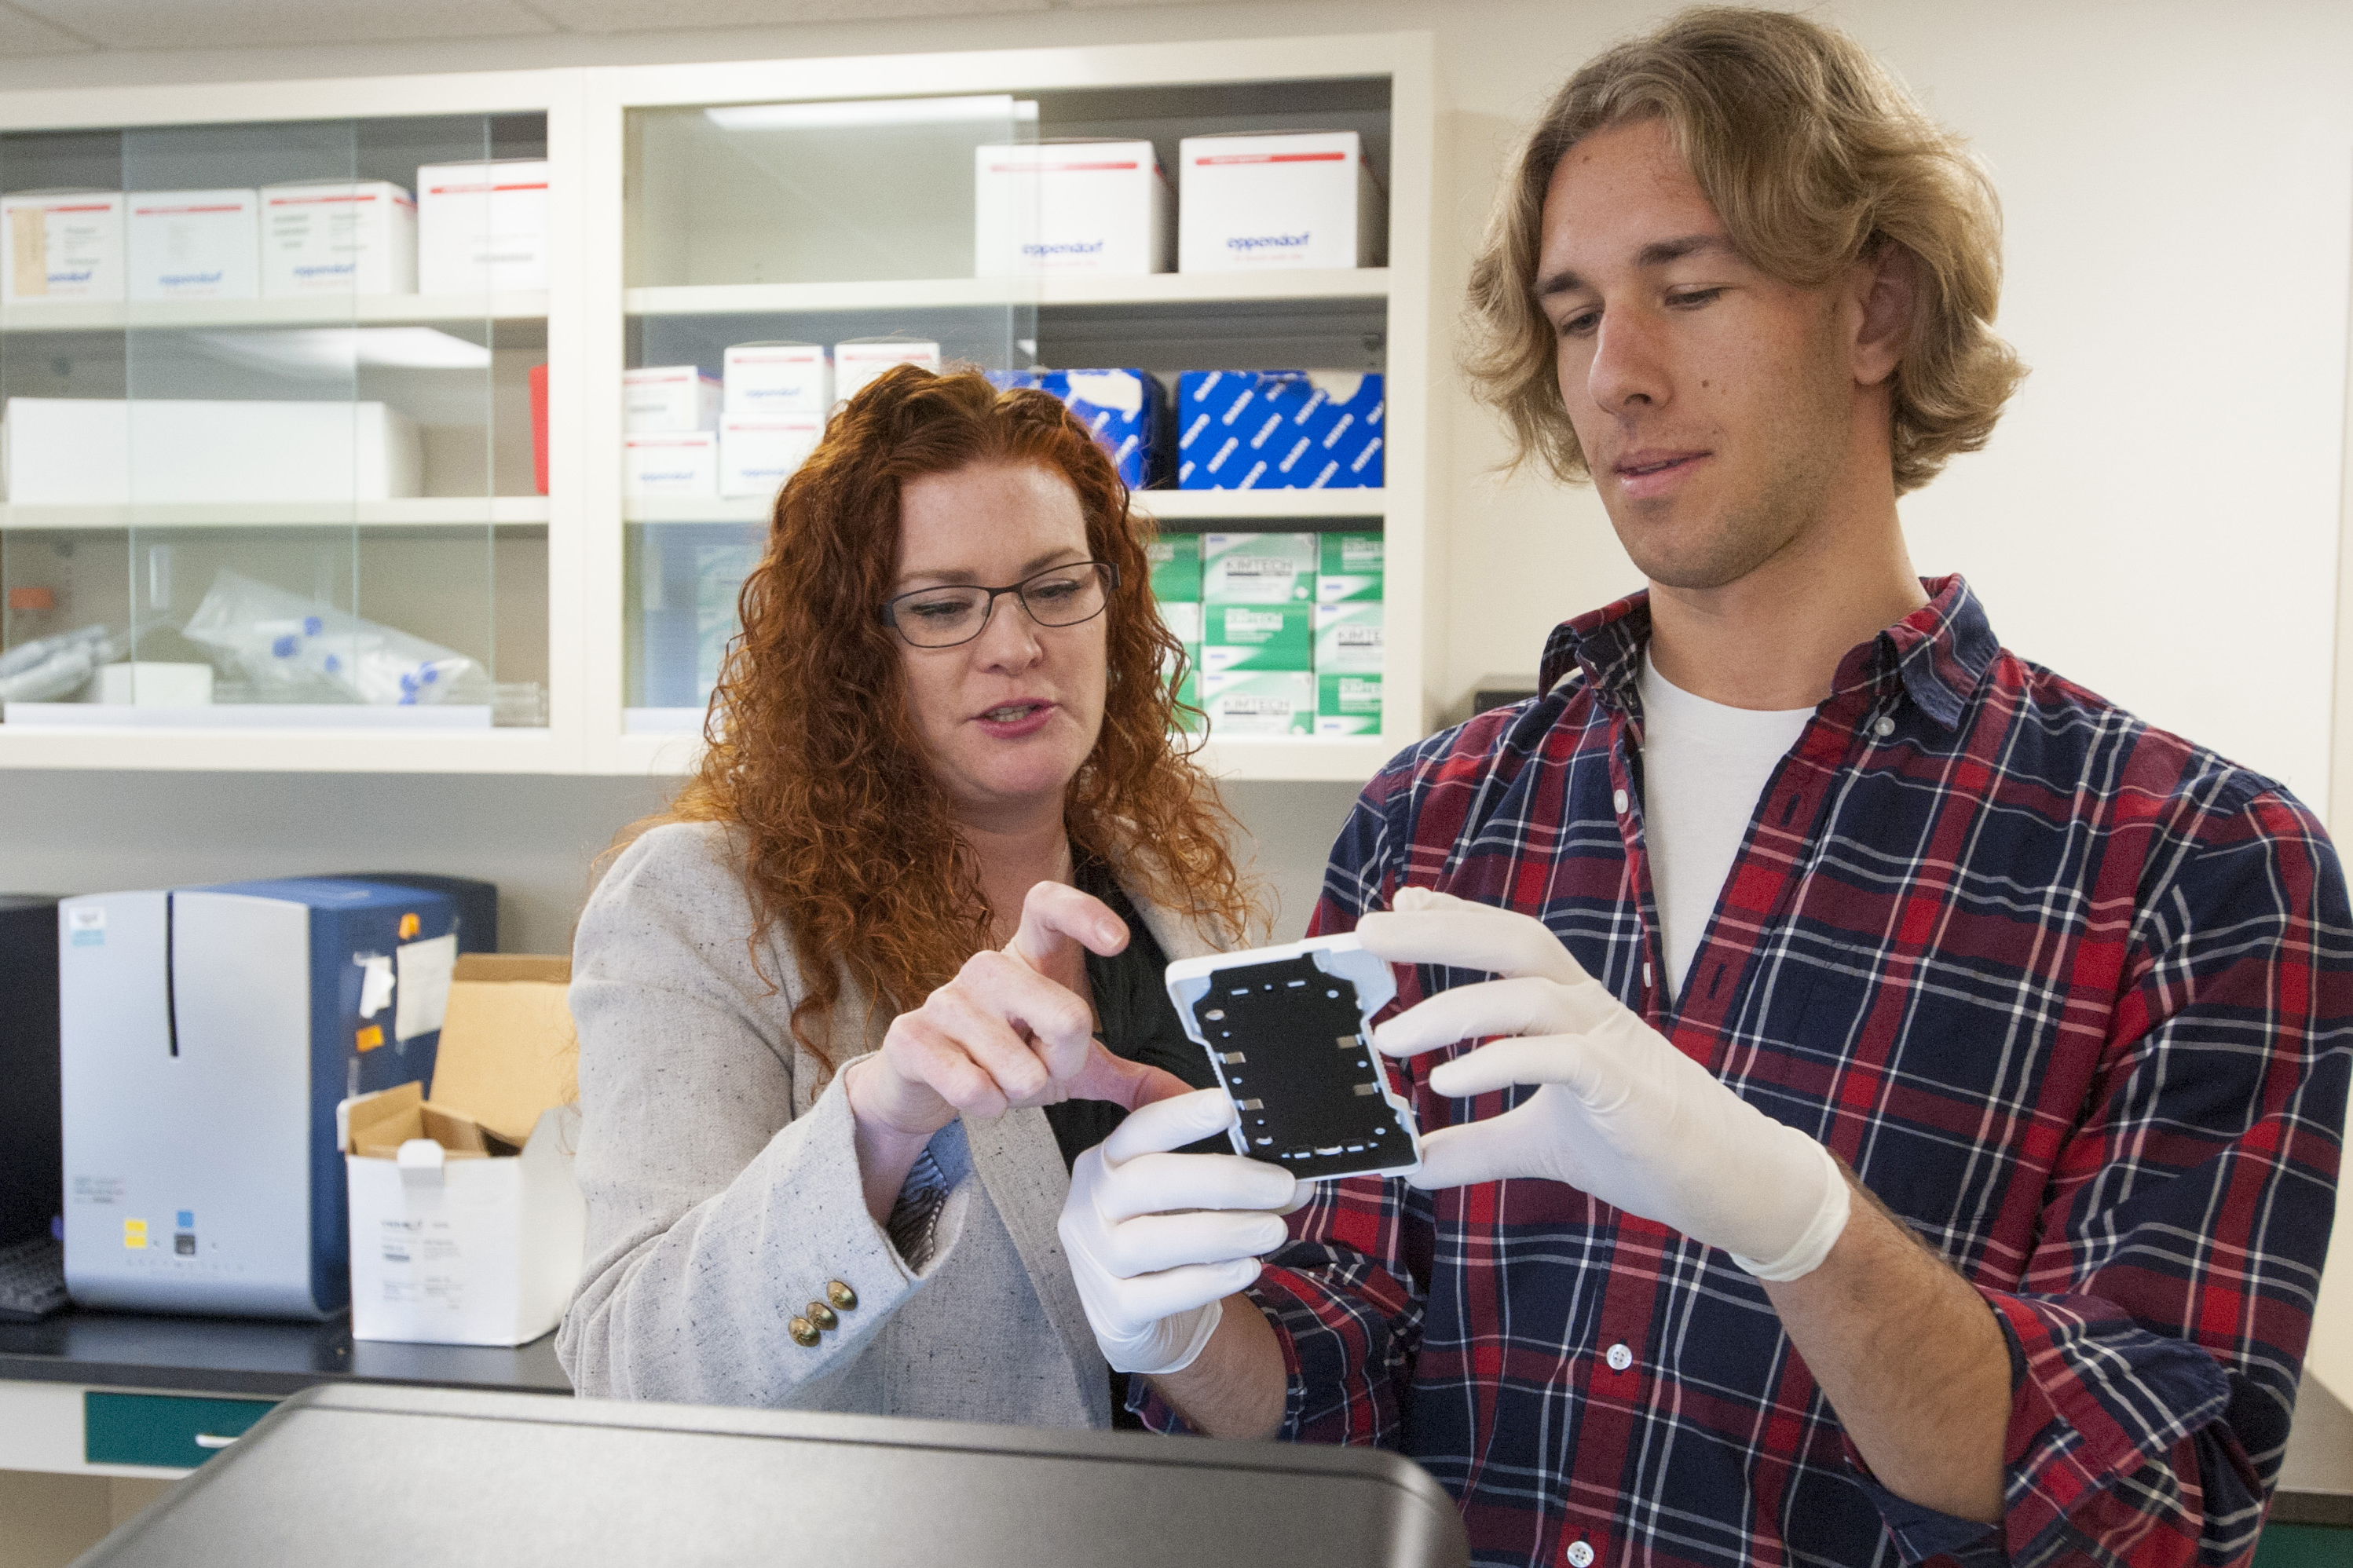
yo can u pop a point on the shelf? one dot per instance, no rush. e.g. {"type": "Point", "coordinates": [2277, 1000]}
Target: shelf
{"type": "Point", "coordinates": [1168, 506]}
{"type": "Point", "coordinates": [365, 309]}
{"type": "Point", "coordinates": [950, 293]}
{"type": "Point", "coordinates": [417, 511]}
{"type": "Point", "coordinates": [670, 741]}
{"type": "Point", "coordinates": [1218, 506]}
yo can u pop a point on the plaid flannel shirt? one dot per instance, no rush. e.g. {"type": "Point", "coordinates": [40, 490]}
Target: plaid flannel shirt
{"type": "Point", "coordinates": [2073, 997]}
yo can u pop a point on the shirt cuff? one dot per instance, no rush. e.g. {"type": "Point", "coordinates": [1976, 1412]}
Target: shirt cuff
{"type": "Point", "coordinates": [914, 1224]}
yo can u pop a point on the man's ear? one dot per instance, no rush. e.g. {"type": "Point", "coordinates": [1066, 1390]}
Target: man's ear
{"type": "Point", "coordinates": [1888, 281]}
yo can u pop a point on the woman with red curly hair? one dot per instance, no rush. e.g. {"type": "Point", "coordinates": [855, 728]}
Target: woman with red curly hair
{"type": "Point", "coordinates": [893, 959]}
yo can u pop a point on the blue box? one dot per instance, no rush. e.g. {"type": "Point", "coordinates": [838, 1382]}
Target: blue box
{"type": "Point", "coordinates": [1124, 408]}
{"type": "Point", "coordinates": [1279, 431]}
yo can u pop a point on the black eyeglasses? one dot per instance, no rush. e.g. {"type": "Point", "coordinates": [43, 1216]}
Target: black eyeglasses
{"type": "Point", "coordinates": [952, 613]}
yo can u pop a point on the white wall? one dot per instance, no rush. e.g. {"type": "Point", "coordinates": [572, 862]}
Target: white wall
{"type": "Point", "coordinates": [2156, 518]}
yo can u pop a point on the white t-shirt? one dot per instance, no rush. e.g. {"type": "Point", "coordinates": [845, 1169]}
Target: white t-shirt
{"type": "Point", "coordinates": [1704, 765]}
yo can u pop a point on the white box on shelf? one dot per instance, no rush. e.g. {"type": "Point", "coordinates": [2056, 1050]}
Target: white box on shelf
{"type": "Point", "coordinates": [861, 360]}
{"type": "Point", "coordinates": [1070, 207]}
{"type": "Point", "coordinates": [772, 380]}
{"type": "Point", "coordinates": [94, 451]}
{"type": "Point", "coordinates": [1254, 203]}
{"type": "Point", "coordinates": [337, 237]}
{"type": "Point", "coordinates": [195, 245]}
{"type": "Point", "coordinates": [481, 227]}
{"type": "Point", "coordinates": [667, 398]}
{"type": "Point", "coordinates": [679, 463]}
{"type": "Point", "coordinates": [758, 454]}
{"type": "Point", "coordinates": [62, 246]}
{"type": "Point", "coordinates": [146, 684]}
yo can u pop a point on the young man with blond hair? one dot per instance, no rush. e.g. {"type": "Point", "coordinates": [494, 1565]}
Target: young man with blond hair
{"type": "Point", "coordinates": [1908, 1117]}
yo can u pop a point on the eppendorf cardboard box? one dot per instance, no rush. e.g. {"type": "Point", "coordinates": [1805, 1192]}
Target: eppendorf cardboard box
{"type": "Point", "coordinates": [466, 1226]}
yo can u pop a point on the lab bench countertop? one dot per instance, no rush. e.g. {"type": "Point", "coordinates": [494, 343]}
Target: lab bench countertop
{"type": "Point", "coordinates": [254, 1356]}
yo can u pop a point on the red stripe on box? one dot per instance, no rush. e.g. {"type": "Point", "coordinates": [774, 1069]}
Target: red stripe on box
{"type": "Point", "coordinates": [1274, 158]}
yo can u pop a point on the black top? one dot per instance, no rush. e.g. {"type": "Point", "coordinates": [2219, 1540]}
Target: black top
{"type": "Point", "coordinates": [1139, 1023]}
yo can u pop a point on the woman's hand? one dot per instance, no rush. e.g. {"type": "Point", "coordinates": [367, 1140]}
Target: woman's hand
{"type": "Point", "coordinates": [1008, 1031]}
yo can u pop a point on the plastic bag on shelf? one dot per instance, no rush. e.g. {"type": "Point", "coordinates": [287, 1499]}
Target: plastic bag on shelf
{"type": "Point", "coordinates": [293, 649]}
{"type": "Point", "coordinates": [48, 670]}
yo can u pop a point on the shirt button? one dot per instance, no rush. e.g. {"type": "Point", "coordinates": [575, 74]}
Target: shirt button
{"type": "Point", "coordinates": [1580, 1555]}
{"type": "Point", "coordinates": [1618, 803]}
{"type": "Point", "coordinates": [1884, 728]}
{"type": "Point", "coordinates": [1620, 1358]}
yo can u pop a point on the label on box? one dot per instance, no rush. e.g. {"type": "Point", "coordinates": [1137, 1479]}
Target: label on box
{"type": "Point", "coordinates": [667, 398]}
{"type": "Point", "coordinates": [684, 464]}
{"type": "Point", "coordinates": [338, 236]}
{"type": "Point", "coordinates": [773, 380]}
{"type": "Point", "coordinates": [1258, 568]}
{"type": "Point", "coordinates": [62, 246]}
{"type": "Point", "coordinates": [1351, 566]}
{"type": "Point", "coordinates": [1074, 207]}
{"type": "Point", "coordinates": [195, 245]}
{"type": "Point", "coordinates": [1122, 407]}
{"type": "Point", "coordinates": [1240, 430]}
{"type": "Point", "coordinates": [1348, 637]}
{"type": "Point", "coordinates": [1182, 619]}
{"type": "Point", "coordinates": [756, 456]}
{"type": "Point", "coordinates": [1256, 202]}
{"type": "Point", "coordinates": [1347, 704]}
{"type": "Point", "coordinates": [1175, 566]}
{"type": "Point", "coordinates": [481, 227]}
{"type": "Point", "coordinates": [1256, 636]}
{"type": "Point", "coordinates": [861, 360]}
{"type": "Point", "coordinates": [1253, 703]}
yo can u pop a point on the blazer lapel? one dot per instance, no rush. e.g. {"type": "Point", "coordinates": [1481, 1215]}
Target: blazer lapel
{"type": "Point", "coordinates": [1021, 1167]}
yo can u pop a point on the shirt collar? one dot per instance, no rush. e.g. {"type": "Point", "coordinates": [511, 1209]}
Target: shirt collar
{"type": "Point", "coordinates": [1938, 652]}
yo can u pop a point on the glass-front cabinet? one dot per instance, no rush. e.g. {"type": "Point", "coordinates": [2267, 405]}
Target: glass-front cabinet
{"type": "Point", "coordinates": [433, 423]}
{"type": "Point", "coordinates": [273, 439]}
{"type": "Point", "coordinates": [1216, 254]}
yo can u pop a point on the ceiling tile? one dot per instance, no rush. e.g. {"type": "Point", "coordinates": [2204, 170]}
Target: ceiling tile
{"type": "Point", "coordinates": [242, 24]}
{"type": "Point", "coordinates": [634, 16]}
{"type": "Point", "coordinates": [22, 36]}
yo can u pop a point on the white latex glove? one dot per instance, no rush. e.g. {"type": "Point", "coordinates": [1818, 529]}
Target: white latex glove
{"type": "Point", "coordinates": [1154, 1237]}
{"type": "Point", "coordinates": [1621, 1113]}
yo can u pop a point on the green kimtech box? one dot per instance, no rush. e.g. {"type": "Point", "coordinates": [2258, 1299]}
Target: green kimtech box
{"type": "Point", "coordinates": [1258, 568]}
{"type": "Point", "coordinates": [1256, 702]}
{"type": "Point", "coordinates": [1257, 636]}
{"type": "Point", "coordinates": [1182, 619]}
{"type": "Point", "coordinates": [1350, 567]}
{"type": "Point", "coordinates": [1347, 704]}
{"type": "Point", "coordinates": [1175, 568]}
{"type": "Point", "coordinates": [1348, 637]}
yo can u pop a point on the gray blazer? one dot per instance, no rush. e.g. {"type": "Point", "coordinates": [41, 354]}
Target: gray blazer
{"type": "Point", "coordinates": [724, 1192]}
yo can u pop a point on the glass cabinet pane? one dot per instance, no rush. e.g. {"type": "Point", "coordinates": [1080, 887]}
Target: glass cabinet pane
{"type": "Point", "coordinates": [267, 432]}
{"type": "Point", "coordinates": [779, 255]}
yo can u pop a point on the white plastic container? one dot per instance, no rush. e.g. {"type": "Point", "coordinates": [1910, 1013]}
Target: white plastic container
{"type": "Point", "coordinates": [337, 237]}
{"type": "Point", "coordinates": [776, 380]}
{"type": "Point", "coordinates": [680, 463]}
{"type": "Point", "coordinates": [146, 684]}
{"type": "Point", "coordinates": [667, 398]}
{"type": "Point", "coordinates": [95, 451]}
{"type": "Point", "coordinates": [758, 454]}
{"type": "Point", "coordinates": [1096, 207]}
{"type": "Point", "coordinates": [1260, 203]}
{"type": "Point", "coordinates": [481, 227]}
{"type": "Point", "coordinates": [195, 245]}
{"type": "Point", "coordinates": [61, 245]}
{"type": "Point", "coordinates": [861, 360]}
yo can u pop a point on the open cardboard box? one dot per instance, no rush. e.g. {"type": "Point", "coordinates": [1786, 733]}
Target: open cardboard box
{"type": "Point", "coordinates": [466, 1225]}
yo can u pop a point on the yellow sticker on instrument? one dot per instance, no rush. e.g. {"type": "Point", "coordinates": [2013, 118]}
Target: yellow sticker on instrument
{"type": "Point", "coordinates": [371, 1037]}
{"type": "Point", "coordinates": [409, 926]}
{"type": "Point", "coordinates": [135, 1234]}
